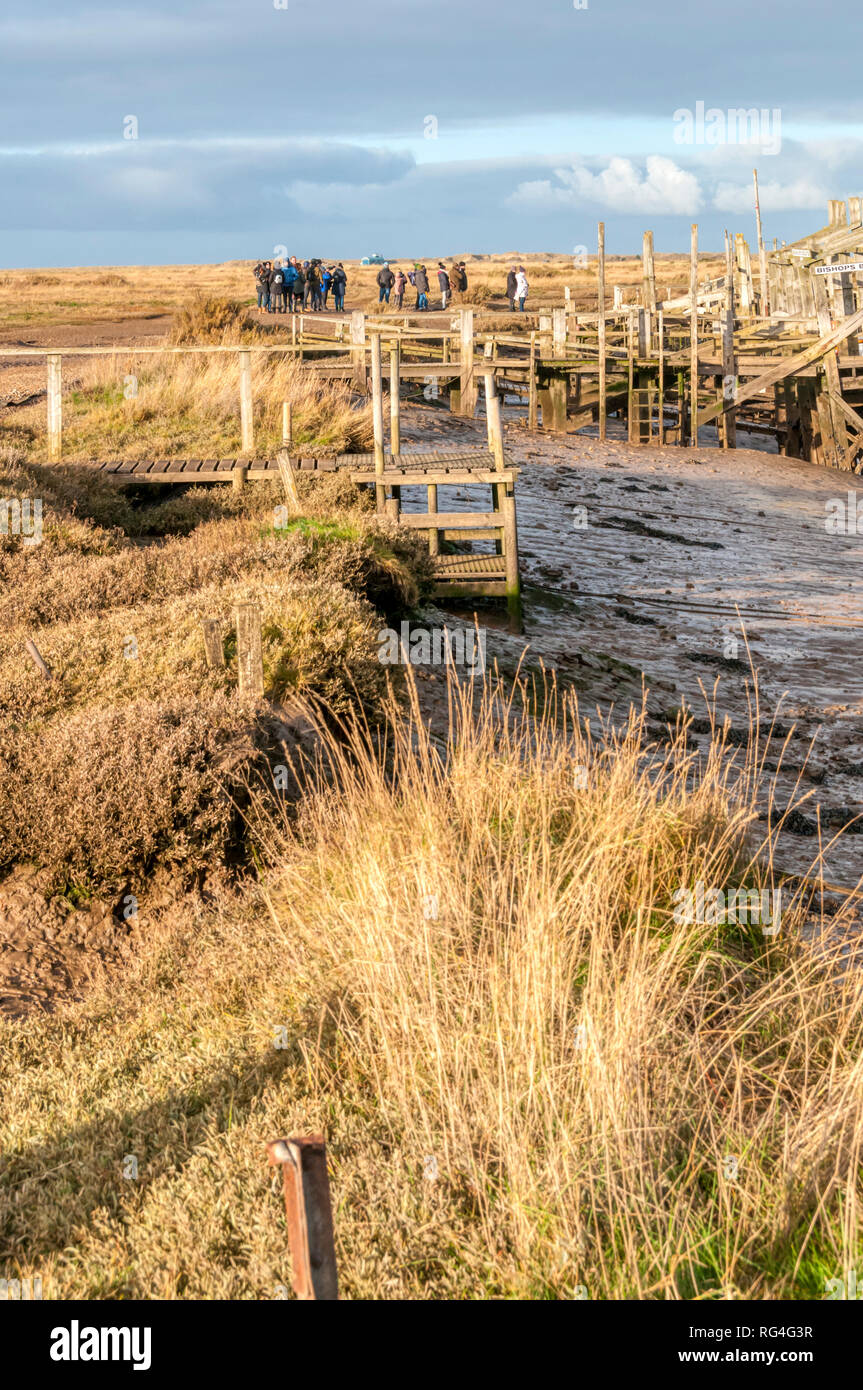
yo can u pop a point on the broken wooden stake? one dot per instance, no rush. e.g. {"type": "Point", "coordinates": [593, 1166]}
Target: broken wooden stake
{"type": "Point", "coordinates": [250, 660]}
{"type": "Point", "coordinates": [289, 482]}
{"type": "Point", "coordinates": [38, 660]}
{"type": "Point", "coordinates": [212, 629]}
{"type": "Point", "coordinates": [309, 1214]}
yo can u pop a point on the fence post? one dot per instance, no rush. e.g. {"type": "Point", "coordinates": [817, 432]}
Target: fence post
{"type": "Point", "coordinates": [247, 429]}
{"type": "Point", "coordinates": [600, 325]}
{"type": "Point", "coordinates": [378, 416]}
{"type": "Point", "coordinates": [434, 535]}
{"type": "Point", "coordinates": [693, 334]}
{"type": "Point", "coordinates": [309, 1214]}
{"type": "Point", "coordinates": [55, 407]}
{"type": "Point", "coordinates": [510, 552]}
{"type": "Point", "coordinates": [358, 338]}
{"type": "Point", "coordinates": [467, 384]}
{"type": "Point", "coordinates": [395, 405]}
{"type": "Point", "coordinates": [287, 424]}
{"type": "Point", "coordinates": [250, 661]}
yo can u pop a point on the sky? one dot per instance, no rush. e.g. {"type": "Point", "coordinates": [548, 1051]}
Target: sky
{"type": "Point", "coordinates": [208, 130]}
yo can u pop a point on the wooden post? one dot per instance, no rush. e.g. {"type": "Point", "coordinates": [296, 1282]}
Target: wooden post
{"type": "Point", "coordinates": [239, 475]}
{"type": "Point", "coordinates": [600, 260]}
{"type": "Point", "coordinates": [38, 660]}
{"type": "Point", "coordinates": [510, 554]}
{"type": "Point", "coordinates": [729, 365]}
{"type": "Point", "coordinates": [558, 332]}
{"type": "Point", "coordinates": [744, 275]}
{"type": "Point", "coordinates": [309, 1215]}
{"type": "Point", "coordinates": [762, 253]}
{"type": "Point", "coordinates": [378, 416]}
{"type": "Point", "coordinates": [55, 407]}
{"type": "Point", "coordinates": [467, 402]}
{"type": "Point", "coordinates": [250, 660]}
{"type": "Point", "coordinates": [434, 536]}
{"type": "Point", "coordinates": [287, 424]}
{"type": "Point", "coordinates": [247, 429]}
{"type": "Point", "coordinates": [693, 333]}
{"type": "Point", "coordinates": [213, 649]}
{"type": "Point", "coordinates": [648, 285]}
{"type": "Point", "coordinates": [289, 482]}
{"type": "Point", "coordinates": [531, 385]}
{"type": "Point", "coordinates": [358, 338]}
{"type": "Point", "coordinates": [660, 330]}
{"type": "Point", "coordinates": [495, 438]}
{"type": "Point", "coordinates": [395, 404]}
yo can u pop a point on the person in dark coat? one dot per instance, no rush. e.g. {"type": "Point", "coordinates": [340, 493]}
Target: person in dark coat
{"type": "Point", "coordinates": [443, 281]}
{"type": "Point", "coordinates": [277, 289]}
{"type": "Point", "coordinates": [340, 281]}
{"type": "Point", "coordinates": [262, 285]}
{"type": "Point", "coordinates": [386, 280]}
{"type": "Point", "coordinates": [299, 288]}
{"type": "Point", "coordinates": [511, 287]}
{"type": "Point", "coordinates": [421, 281]}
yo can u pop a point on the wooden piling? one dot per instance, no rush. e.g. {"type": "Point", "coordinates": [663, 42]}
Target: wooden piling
{"type": "Point", "coordinates": [660, 333]}
{"type": "Point", "coordinates": [468, 389]}
{"type": "Point", "coordinates": [434, 536]}
{"type": "Point", "coordinates": [693, 333]}
{"type": "Point", "coordinates": [247, 428]}
{"type": "Point", "coordinates": [55, 407]}
{"type": "Point", "coordinates": [648, 283]}
{"type": "Point", "coordinates": [395, 403]}
{"type": "Point", "coordinates": [510, 554]}
{"type": "Point", "coordinates": [239, 476]}
{"type": "Point", "coordinates": [531, 385]}
{"type": "Point", "coordinates": [729, 364]}
{"type": "Point", "coordinates": [762, 253]}
{"type": "Point", "coordinates": [287, 424]}
{"type": "Point", "coordinates": [600, 275]}
{"type": "Point", "coordinates": [378, 416]}
{"type": "Point", "coordinates": [309, 1215]}
{"type": "Point", "coordinates": [250, 660]}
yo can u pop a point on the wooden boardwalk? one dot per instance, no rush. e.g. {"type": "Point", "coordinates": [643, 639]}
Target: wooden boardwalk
{"type": "Point", "coordinates": [464, 465]}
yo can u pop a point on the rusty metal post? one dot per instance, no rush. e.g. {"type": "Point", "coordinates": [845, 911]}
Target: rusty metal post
{"type": "Point", "coordinates": [310, 1218]}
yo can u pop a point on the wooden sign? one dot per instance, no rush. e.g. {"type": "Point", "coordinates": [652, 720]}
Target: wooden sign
{"type": "Point", "coordinates": [838, 268]}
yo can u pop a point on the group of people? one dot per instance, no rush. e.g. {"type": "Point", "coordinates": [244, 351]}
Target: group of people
{"type": "Point", "coordinates": [285, 286]}
{"type": "Point", "coordinates": [516, 287]}
{"type": "Point", "coordinates": [395, 282]}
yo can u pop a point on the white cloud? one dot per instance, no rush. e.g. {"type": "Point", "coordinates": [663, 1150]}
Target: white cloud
{"type": "Point", "coordinates": [774, 196]}
{"type": "Point", "coordinates": [663, 188]}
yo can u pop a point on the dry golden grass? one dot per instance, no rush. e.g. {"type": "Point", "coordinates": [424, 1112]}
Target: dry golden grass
{"type": "Point", "coordinates": [531, 1089]}
{"type": "Point", "coordinates": [120, 628]}
{"type": "Point", "coordinates": [84, 295]}
{"type": "Point", "coordinates": [135, 407]}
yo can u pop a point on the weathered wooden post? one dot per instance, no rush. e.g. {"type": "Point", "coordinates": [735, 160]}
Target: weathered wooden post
{"type": "Point", "coordinates": [247, 429]}
{"type": "Point", "coordinates": [510, 553]}
{"type": "Point", "coordinates": [213, 649]}
{"type": "Point", "coordinates": [309, 1215]}
{"type": "Point", "coordinates": [693, 334]}
{"type": "Point", "coordinates": [729, 368]}
{"type": "Point", "coordinates": [378, 417]}
{"type": "Point", "coordinates": [239, 475]}
{"type": "Point", "coordinates": [250, 659]}
{"type": "Point", "coordinates": [660, 332]}
{"type": "Point", "coordinates": [358, 339]}
{"type": "Point", "coordinates": [434, 535]}
{"type": "Point", "coordinates": [648, 284]}
{"type": "Point", "coordinates": [600, 262]}
{"type": "Point", "coordinates": [762, 253]}
{"type": "Point", "coordinates": [55, 407]}
{"type": "Point", "coordinates": [467, 385]}
{"type": "Point", "coordinates": [531, 384]}
{"type": "Point", "coordinates": [287, 424]}
{"type": "Point", "coordinates": [494, 426]}
{"type": "Point", "coordinates": [395, 404]}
